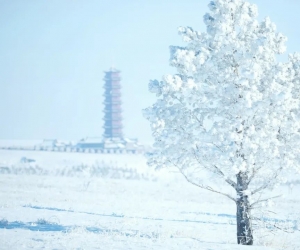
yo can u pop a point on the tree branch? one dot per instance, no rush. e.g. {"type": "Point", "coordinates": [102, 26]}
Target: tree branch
{"type": "Point", "coordinates": [267, 183]}
{"type": "Point", "coordinates": [254, 172]}
{"type": "Point", "coordinates": [229, 181]}
{"type": "Point", "coordinates": [203, 186]}
{"type": "Point", "coordinates": [268, 224]}
{"type": "Point", "coordinates": [267, 199]}
{"type": "Point", "coordinates": [219, 171]}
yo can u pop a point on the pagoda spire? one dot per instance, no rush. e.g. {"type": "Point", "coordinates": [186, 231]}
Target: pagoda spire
{"type": "Point", "coordinates": [112, 105]}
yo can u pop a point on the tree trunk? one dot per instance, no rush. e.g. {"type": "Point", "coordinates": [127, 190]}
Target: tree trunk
{"type": "Point", "coordinates": [243, 214]}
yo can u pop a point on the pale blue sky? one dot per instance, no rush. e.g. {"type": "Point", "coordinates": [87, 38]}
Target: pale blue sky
{"type": "Point", "coordinates": [53, 54]}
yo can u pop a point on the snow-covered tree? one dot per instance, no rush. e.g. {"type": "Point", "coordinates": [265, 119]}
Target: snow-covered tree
{"type": "Point", "coordinates": [232, 109]}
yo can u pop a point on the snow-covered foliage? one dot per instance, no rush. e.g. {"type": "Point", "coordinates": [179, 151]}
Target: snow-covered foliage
{"type": "Point", "coordinates": [232, 108]}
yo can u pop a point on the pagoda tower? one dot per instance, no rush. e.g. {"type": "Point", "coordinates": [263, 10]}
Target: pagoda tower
{"type": "Point", "coordinates": [112, 105]}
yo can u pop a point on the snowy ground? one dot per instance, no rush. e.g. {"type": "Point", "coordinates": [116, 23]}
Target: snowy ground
{"type": "Point", "coordinates": [89, 201]}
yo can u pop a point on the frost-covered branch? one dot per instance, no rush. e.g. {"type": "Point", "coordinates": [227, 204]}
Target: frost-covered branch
{"type": "Point", "coordinates": [227, 179]}
{"type": "Point", "coordinates": [253, 174]}
{"type": "Point", "coordinates": [268, 182]}
{"type": "Point", "coordinates": [275, 225]}
{"type": "Point", "coordinates": [219, 172]}
{"type": "Point", "coordinates": [264, 200]}
{"type": "Point", "coordinates": [205, 187]}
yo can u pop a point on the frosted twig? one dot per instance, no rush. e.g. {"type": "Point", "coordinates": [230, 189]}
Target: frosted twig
{"type": "Point", "coordinates": [203, 186]}
{"type": "Point", "coordinates": [267, 199]}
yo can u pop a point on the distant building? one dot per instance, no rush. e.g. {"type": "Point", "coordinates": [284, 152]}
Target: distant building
{"type": "Point", "coordinates": [91, 142]}
{"type": "Point", "coordinates": [112, 105]}
{"type": "Point", "coordinates": [52, 144]}
{"type": "Point", "coordinates": [109, 145]}
{"type": "Point", "coordinates": [113, 140]}
{"type": "Point", "coordinates": [48, 143]}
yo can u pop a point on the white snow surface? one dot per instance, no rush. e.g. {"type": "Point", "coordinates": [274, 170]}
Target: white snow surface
{"type": "Point", "coordinates": [50, 209]}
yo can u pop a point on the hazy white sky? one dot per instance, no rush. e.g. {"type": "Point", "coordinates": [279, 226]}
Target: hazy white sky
{"type": "Point", "coordinates": [53, 54]}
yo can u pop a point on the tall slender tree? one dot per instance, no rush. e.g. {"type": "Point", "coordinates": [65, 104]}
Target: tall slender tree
{"type": "Point", "coordinates": [232, 109]}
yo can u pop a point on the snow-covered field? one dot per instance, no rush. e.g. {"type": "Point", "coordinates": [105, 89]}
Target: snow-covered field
{"type": "Point", "coordinates": [93, 201]}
